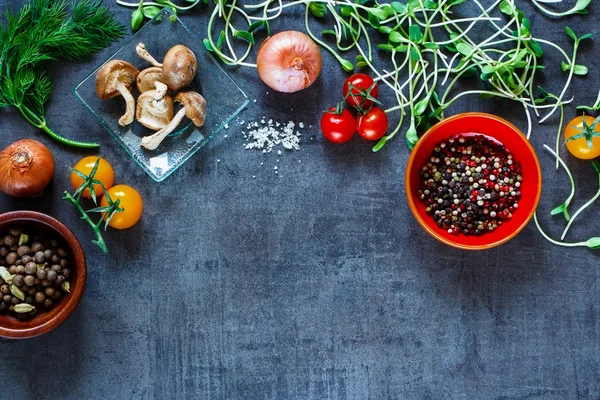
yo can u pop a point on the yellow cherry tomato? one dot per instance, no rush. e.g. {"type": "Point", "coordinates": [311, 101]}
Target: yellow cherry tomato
{"type": "Point", "coordinates": [104, 174]}
{"type": "Point", "coordinates": [577, 133]}
{"type": "Point", "coordinates": [131, 203]}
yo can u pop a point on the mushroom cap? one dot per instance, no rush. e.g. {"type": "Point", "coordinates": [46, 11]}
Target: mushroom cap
{"type": "Point", "coordinates": [149, 115]}
{"type": "Point", "coordinates": [195, 106]}
{"type": "Point", "coordinates": [179, 67]}
{"type": "Point", "coordinates": [146, 78]}
{"type": "Point", "coordinates": [112, 72]}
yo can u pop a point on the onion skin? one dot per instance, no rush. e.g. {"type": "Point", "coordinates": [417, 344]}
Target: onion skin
{"type": "Point", "coordinates": [26, 168]}
{"type": "Point", "coordinates": [288, 61]}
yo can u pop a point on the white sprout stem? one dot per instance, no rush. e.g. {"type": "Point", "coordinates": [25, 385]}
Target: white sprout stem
{"type": "Point", "coordinates": [583, 207]}
{"type": "Point", "coordinates": [151, 3]}
{"type": "Point", "coordinates": [548, 238]}
{"type": "Point", "coordinates": [568, 171]}
{"type": "Point", "coordinates": [564, 90]}
{"type": "Point", "coordinates": [549, 12]}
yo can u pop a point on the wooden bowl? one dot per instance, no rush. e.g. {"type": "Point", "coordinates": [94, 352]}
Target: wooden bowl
{"type": "Point", "coordinates": [513, 140]}
{"type": "Point", "coordinates": [46, 320]}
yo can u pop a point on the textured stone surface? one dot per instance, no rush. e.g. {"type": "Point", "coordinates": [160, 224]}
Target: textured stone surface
{"type": "Point", "coordinates": [315, 283]}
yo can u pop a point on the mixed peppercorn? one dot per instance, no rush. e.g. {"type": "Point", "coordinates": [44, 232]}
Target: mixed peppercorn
{"type": "Point", "coordinates": [34, 273]}
{"type": "Point", "coordinates": [470, 185]}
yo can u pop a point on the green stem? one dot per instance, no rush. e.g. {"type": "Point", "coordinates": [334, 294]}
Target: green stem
{"type": "Point", "coordinates": [583, 207]}
{"type": "Point", "coordinates": [40, 123]}
{"type": "Point", "coordinates": [84, 216]}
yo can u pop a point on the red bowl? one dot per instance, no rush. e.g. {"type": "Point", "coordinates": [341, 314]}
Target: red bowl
{"type": "Point", "coordinates": [45, 321]}
{"type": "Point", "coordinates": [514, 141]}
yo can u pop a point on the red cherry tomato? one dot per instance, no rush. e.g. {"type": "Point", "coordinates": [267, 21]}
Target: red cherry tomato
{"type": "Point", "coordinates": [338, 128]}
{"type": "Point", "coordinates": [373, 125]}
{"type": "Point", "coordinates": [362, 86]}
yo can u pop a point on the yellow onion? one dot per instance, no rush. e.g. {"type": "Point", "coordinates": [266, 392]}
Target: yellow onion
{"type": "Point", "coordinates": [288, 61]}
{"type": "Point", "coordinates": [26, 168]}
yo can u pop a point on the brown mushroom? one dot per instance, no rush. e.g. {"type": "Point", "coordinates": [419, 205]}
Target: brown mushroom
{"type": "Point", "coordinates": [155, 108]}
{"type": "Point", "coordinates": [116, 78]}
{"type": "Point", "coordinates": [146, 78]}
{"type": "Point", "coordinates": [194, 107]}
{"type": "Point", "coordinates": [178, 67]}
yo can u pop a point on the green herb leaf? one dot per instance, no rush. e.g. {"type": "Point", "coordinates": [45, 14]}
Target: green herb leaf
{"type": "Point", "coordinates": [137, 19]}
{"type": "Point", "coordinates": [385, 47]}
{"type": "Point", "coordinates": [256, 25]}
{"type": "Point", "coordinates": [593, 243]}
{"type": "Point", "coordinates": [244, 35]}
{"type": "Point", "coordinates": [208, 46]}
{"type": "Point", "coordinates": [317, 9]}
{"type": "Point", "coordinates": [24, 308]}
{"type": "Point", "coordinates": [400, 8]}
{"type": "Point", "coordinates": [385, 29]}
{"type": "Point", "coordinates": [464, 48]}
{"type": "Point", "coordinates": [570, 33]}
{"type": "Point", "coordinates": [151, 11]}
{"type": "Point", "coordinates": [379, 13]}
{"type": "Point", "coordinates": [347, 65]}
{"type": "Point", "coordinates": [396, 37]}
{"type": "Point", "coordinates": [415, 34]}
{"type": "Point", "coordinates": [507, 8]}
{"type": "Point", "coordinates": [220, 40]}
{"type": "Point", "coordinates": [536, 48]}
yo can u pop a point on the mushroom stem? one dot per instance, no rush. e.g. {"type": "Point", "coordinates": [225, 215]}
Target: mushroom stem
{"type": "Point", "coordinates": [151, 142]}
{"type": "Point", "coordinates": [127, 118]}
{"type": "Point", "coordinates": [141, 51]}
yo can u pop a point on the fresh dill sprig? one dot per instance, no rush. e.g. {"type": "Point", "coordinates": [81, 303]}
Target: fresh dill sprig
{"type": "Point", "coordinates": [42, 31]}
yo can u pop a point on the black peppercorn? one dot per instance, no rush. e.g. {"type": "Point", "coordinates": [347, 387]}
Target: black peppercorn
{"type": "Point", "coordinates": [55, 258]}
{"type": "Point", "coordinates": [48, 303]}
{"type": "Point", "coordinates": [18, 280]}
{"type": "Point", "coordinates": [26, 258]}
{"type": "Point", "coordinates": [62, 252]}
{"type": "Point", "coordinates": [48, 254]}
{"type": "Point", "coordinates": [64, 262]}
{"type": "Point", "coordinates": [40, 297]}
{"type": "Point", "coordinates": [56, 268]}
{"type": "Point", "coordinates": [41, 274]}
{"type": "Point", "coordinates": [15, 300]}
{"type": "Point", "coordinates": [39, 257]}
{"type": "Point", "coordinates": [37, 246]}
{"type": "Point", "coordinates": [52, 275]}
{"type": "Point", "coordinates": [29, 280]}
{"type": "Point", "coordinates": [11, 258]}
{"type": "Point", "coordinates": [59, 280]}
{"type": "Point", "coordinates": [20, 269]}
{"type": "Point", "coordinates": [7, 298]}
{"type": "Point", "coordinates": [31, 268]}
{"type": "Point", "coordinates": [45, 283]}
{"type": "Point", "coordinates": [23, 250]}
{"type": "Point", "coordinates": [66, 272]}
{"type": "Point", "coordinates": [9, 240]}
{"type": "Point", "coordinates": [5, 289]}
{"type": "Point", "coordinates": [49, 291]}
{"type": "Point", "coordinates": [3, 251]}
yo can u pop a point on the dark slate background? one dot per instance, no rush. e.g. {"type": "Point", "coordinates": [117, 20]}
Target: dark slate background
{"type": "Point", "coordinates": [317, 283]}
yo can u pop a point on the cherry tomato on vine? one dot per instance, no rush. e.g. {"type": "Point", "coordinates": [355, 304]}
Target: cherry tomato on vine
{"type": "Point", "coordinates": [363, 90]}
{"type": "Point", "coordinates": [582, 137]}
{"type": "Point", "coordinates": [104, 174]}
{"type": "Point", "coordinates": [373, 125]}
{"type": "Point", "coordinates": [131, 202]}
{"type": "Point", "coordinates": [338, 128]}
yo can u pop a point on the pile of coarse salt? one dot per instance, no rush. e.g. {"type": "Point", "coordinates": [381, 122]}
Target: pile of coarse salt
{"type": "Point", "coordinates": [267, 135]}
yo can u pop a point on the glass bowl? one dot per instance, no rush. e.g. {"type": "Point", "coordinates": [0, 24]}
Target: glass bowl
{"type": "Point", "coordinates": [223, 96]}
